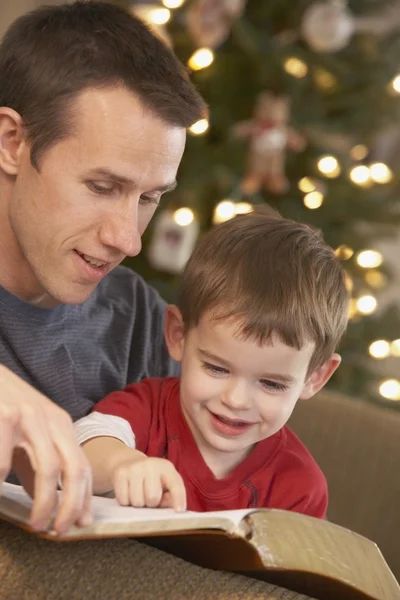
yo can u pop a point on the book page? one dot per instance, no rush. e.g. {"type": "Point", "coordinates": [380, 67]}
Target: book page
{"type": "Point", "coordinates": [107, 510]}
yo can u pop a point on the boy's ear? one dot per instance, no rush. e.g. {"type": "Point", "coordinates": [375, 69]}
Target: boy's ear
{"type": "Point", "coordinates": [174, 332]}
{"type": "Point", "coordinates": [12, 140]}
{"type": "Point", "coordinates": [320, 376]}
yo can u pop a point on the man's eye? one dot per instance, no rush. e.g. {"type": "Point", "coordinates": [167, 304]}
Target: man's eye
{"type": "Point", "coordinates": [102, 189]}
{"type": "Point", "coordinates": [149, 200]}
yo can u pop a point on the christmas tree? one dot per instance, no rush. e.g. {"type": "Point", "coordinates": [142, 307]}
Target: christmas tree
{"type": "Point", "coordinates": [298, 92]}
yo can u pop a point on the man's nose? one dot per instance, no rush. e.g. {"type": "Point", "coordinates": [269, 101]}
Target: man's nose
{"type": "Point", "coordinates": [120, 231]}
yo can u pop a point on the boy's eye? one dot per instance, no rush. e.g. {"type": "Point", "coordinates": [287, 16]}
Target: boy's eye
{"type": "Point", "coordinates": [150, 200]}
{"type": "Point", "coordinates": [214, 369]}
{"type": "Point", "coordinates": [273, 386]}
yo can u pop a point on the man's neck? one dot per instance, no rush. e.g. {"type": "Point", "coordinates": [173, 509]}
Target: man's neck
{"type": "Point", "coordinates": [15, 273]}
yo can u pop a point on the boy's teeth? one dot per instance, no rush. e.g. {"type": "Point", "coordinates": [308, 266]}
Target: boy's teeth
{"type": "Point", "coordinates": [93, 261]}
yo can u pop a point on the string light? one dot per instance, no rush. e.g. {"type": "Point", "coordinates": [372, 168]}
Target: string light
{"type": "Point", "coordinates": [199, 127]}
{"type": "Point", "coordinates": [375, 278]}
{"type": "Point", "coordinates": [306, 184]}
{"type": "Point", "coordinates": [348, 281]}
{"type": "Point", "coordinates": [360, 175]}
{"type": "Point", "coordinates": [369, 259]}
{"type": "Point", "coordinates": [390, 389]}
{"type": "Point", "coordinates": [202, 58]}
{"type": "Point", "coordinates": [159, 16]}
{"type": "Point", "coordinates": [325, 80]}
{"type": "Point", "coordinates": [352, 309]}
{"type": "Point", "coordinates": [243, 208]}
{"type": "Point", "coordinates": [366, 305]}
{"type": "Point", "coordinates": [183, 216]}
{"type": "Point", "coordinates": [296, 67]}
{"type": "Point", "coordinates": [395, 348]}
{"type": "Point", "coordinates": [343, 252]}
{"type": "Point", "coordinates": [224, 211]}
{"type": "Point", "coordinates": [396, 84]}
{"type": "Point", "coordinates": [313, 200]}
{"type": "Point", "coordinates": [379, 349]}
{"type": "Point", "coordinates": [173, 3]}
{"type": "Point", "coordinates": [359, 152]}
{"type": "Point", "coordinates": [380, 173]}
{"type": "Point", "coordinates": [329, 166]}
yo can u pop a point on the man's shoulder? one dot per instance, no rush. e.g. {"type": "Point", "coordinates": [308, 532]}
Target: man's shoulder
{"type": "Point", "coordinates": [126, 288]}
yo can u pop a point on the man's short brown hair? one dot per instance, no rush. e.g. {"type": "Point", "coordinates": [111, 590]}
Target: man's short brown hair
{"type": "Point", "coordinates": [277, 276]}
{"type": "Point", "coordinates": [51, 54]}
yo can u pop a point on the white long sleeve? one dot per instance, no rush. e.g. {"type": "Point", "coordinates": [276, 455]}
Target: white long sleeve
{"type": "Point", "coordinates": [97, 425]}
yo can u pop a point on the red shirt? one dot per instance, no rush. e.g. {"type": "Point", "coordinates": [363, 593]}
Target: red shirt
{"type": "Point", "coordinates": [278, 473]}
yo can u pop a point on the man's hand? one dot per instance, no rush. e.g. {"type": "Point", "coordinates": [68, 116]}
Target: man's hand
{"type": "Point", "coordinates": [30, 421]}
{"type": "Point", "coordinates": [152, 482]}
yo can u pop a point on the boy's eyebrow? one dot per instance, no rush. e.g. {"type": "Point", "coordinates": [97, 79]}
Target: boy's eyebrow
{"type": "Point", "coordinates": [109, 174]}
{"type": "Point", "coordinates": [276, 376]}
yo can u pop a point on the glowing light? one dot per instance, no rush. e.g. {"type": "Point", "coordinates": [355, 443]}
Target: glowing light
{"type": "Point", "coordinates": [360, 175]}
{"type": "Point", "coordinates": [379, 349]}
{"type": "Point", "coordinates": [173, 3]}
{"type": "Point", "coordinates": [395, 348]}
{"type": "Point", "coordinates": [159, 16]}
{"type": "Point", "coordinates": [367, 304]}
{"type": "Point", "coordinates": [242, 208]}
{"type": "Point", "coordinates": [375, 279]}
{"type": "Point", "coordinates": [329, 166]}
{"type": "Point", "coordinates": [380, 173]}
{"type": "Point", "coordinates": [184, 216]}
{"type": "Point", "coordinates": [390, 389]}
{"type": "Point", "coordinates": [313, 200]}
{"type": "Point", "coordinates": [224, 211]}
{"type": "Point", "coordinates": [352, 309]}
{"type": "Point", "coordinates": [396, 84]}
{"type": "Point", "coordinates": [369, 259]}
{"type": "Point", "coordinates": [202, 58]}
{"type": "Point", "coordinates": [359, 152]}
{"type": "Point", "coordinates": [348, 282]}
{"type": "Point", "coordinates": [199, 127]}
{"type": "Point", "coordinates": [296, 67]}
{"type": "Point", "coordinates": [344, 252]}
{"type": "Point", "coordinates": [306, 185]}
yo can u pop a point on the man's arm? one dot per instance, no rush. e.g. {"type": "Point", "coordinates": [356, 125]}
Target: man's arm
{"type": "Point", "coordinates": [30, 421]}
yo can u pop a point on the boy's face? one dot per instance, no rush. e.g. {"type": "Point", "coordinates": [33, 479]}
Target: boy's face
{"type": "Point", "coordinates": [235, 392]}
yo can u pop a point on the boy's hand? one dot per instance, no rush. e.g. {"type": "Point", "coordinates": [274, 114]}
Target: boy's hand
{"type": "Point", "coordinates": [152, 482]}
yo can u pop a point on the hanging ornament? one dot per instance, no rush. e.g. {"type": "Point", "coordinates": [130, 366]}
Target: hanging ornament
{"type": "Point", "coordinates": [328, 26]}
{"type": "Point", "coordinates": [173, 241]}
{"type": "Point", "coordinates": [209, 21]}
{"type": "Point", "coordinates": [270, 136]}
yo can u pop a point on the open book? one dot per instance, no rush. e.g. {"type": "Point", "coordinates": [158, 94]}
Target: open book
{"type": "Point", "coordinates": [301, 553]}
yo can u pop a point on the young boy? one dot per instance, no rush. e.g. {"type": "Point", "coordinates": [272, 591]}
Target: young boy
{"type": "Point", "coordinates": [262, 308]}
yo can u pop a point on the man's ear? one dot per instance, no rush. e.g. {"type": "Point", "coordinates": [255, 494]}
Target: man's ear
{"type": "Point", "coordinates": [12, 140]}
{"type": "Point", "coordinates": [174, 332]}
{"type": "Point", "coordinates": [320, 376]}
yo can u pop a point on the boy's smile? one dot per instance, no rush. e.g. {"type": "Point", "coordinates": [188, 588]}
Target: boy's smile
{"type": "Point", "coordinates": [235, 392]}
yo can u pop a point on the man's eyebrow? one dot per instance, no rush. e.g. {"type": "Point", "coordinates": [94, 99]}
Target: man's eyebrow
{"type": "Point", "coordinates": [117, 178]}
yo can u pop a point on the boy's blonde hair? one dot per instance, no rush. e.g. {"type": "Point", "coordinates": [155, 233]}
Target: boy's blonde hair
{"type": "Point", "coordinates": [276, 275]}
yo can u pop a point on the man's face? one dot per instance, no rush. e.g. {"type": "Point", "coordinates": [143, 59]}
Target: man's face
{"type": "Point", "coordinates": [87, 207]}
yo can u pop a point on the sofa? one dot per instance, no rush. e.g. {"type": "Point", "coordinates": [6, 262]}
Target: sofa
{"type": "Point", "coordinates": [357, 446]}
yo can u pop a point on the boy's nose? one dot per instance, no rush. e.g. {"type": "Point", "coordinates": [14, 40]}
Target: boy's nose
{"type": "Point", "coordinates": [237, 397]}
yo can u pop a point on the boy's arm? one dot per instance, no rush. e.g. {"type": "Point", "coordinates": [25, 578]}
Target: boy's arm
{"type": "Point", "coordinates": [105, 454]}
{"type": "Point", "coordinates": [136, 479]}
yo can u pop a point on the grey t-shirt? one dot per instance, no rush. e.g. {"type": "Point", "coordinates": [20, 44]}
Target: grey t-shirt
{"type": "Point", "coordinates": [77, 354]}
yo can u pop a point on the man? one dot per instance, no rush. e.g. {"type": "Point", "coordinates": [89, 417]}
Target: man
{"type": "Point", "coordinates": [93, 116]}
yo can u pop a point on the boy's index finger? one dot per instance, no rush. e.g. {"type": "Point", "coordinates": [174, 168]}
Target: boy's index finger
{"type": "Point", "coordinates": [177, 492]}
